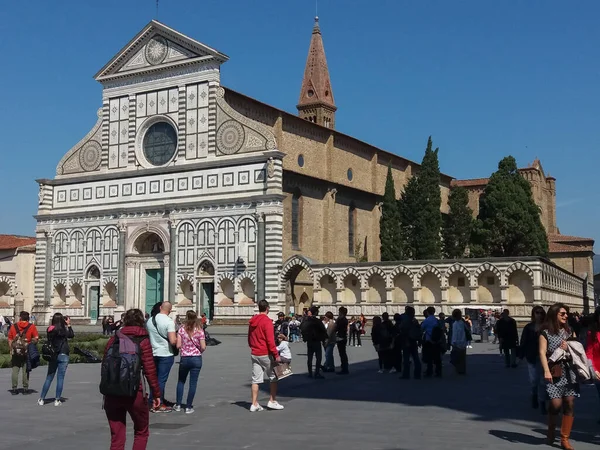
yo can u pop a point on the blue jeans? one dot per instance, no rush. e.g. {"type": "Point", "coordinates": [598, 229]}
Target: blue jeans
{"type": "Point", "coordinates": [56, 365]}
{"type": "Point", "coordinates": [329, 363]}
{"type": "Point", "coordinates": [163, 368]}
{"type": "Point", "coordinates": [191, 365]}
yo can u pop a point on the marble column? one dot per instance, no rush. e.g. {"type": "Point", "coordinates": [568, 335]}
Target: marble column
{"type": "Point", "coordinates": [173, 261]}
{"type": "Point", "coordinates": [121, 289]}
{"type": "Point", "coordinates": [48, 272]}
{"type": "Point", "coordinates": [260, 260]}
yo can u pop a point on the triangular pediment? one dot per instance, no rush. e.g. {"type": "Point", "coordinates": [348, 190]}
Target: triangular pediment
{"type": "Point", "coordinates": [157, 47]}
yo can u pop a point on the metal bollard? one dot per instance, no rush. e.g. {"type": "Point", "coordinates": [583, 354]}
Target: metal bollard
{"type": "Point", "coordinates": [485, 335]}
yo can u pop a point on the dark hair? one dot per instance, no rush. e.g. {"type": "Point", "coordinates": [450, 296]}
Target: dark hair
{"type": "Point", "coordinates": [594, 324]}
{"type": "Point", "coordinates": [155, 309]}
{"type": "Point", "coordinates": [314, 310]}
{"type": "Point", "coordinates": [58, 320]}
{"type": "Point", "coordinates": [191, 321]}
{"type": "Point", "coordinates": [431, 311]}
{"type": "Point", "coordinates": [409, 311]}
{"type": "Point", "coordinates": [24, 316]}
{"type": "Point", "coordinates": [329, 315]}
{"type": "Point", "coordinates": [263, 305]}
{"type": "Point", "coordinates": [456, 314]}
{"type": "Point", "coordinates": [343, 310]}
{"type": "Point", "coordinates": [134, 318]}
{"type": "Point", "coordinates": [535, 309]}
{"type": "Point", "coordinates": [376, 321]}
{"type": "Point", "coordinates": [551, 323]}
{"type": "Point", "coordinates": [385, 316]}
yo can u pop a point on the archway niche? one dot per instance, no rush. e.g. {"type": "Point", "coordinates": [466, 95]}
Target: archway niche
{"type": "Point", "coordinates": [187, 292]}
{"type": "Point", "coordinates": [110, 291]}
{"type": "Point", "coordinates": [149, 243]}
{"type": "Point", "coordinates": [430, 288]}
{"type": "Point", "coordinates": [248, 292]}
{"type": "Point", "coordinates": [328, 290]}
{"type": "Point", "coordinates": [225, 297]}
{"type": "Point", "coordinates": [298, 284]}
{"type": "Point", "coordinates": [458, 288]}
{"type": "Point", "coordinates": [403, 289]}
{"type": "Point", "coordinates": [4, 294]}
{"type": "Point", "coordinates": [377, 291]}
{"type": "Point", "coordinates": [60, 294]}
{"type": "Point", "coordinates": [520, 287]}
{"type": "Point", "coordinates": [488, 288]}
{"type": "Point", "coordinates": [351, 289]}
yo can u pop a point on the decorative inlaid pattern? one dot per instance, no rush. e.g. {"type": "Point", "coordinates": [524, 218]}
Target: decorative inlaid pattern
{"type": "Point", "coordinates": [168, 185]}
{"type": "Point", "coordinates": [154, 187]}
{"type": "Point", "coordinates": [212, 181]}
{"type": "Point", "coordinates": [228, 179]}
{"type": "Point", "coordinates": [230, 137]}
{"type": "Point", "coordinates": [182, 184]}
{"type": "Point", "coordinates": [197, 182]}
{"type": "Point", "coordinates": [244, 177]}
{"type": "Point", "coordinates": [140, 188]}
{"type": "Point", "coordinates": [61, 196]}
{"type": "Point", "coordinates": [100, 192]}
{"type": "Point", "coordinates": [259, 176]}
{"type": "Point", "coordinates": [156, 50]}
{"type": "Point", "coordinates": [113, 191]}
{"type": "Point", "coordinates": [87, 193]}
{"type": "Point", "coordinates": [74, 195]}
{"type": "Point", "coordinates": [90, 156]}
{"type": "Point", "coordinates": [126, 189]}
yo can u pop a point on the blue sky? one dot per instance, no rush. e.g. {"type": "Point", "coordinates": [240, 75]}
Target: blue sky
{"type": "Point", "coordinates": [485, 78]}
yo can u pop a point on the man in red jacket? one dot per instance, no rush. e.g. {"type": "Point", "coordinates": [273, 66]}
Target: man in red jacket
{"type": "Point", "coordinates": [261, 340]}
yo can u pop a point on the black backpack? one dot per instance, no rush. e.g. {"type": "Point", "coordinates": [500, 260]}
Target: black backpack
{"type": "Point", "coordinates": [121, 370]}
{"type": "Point", "coordinates": [437, 334]}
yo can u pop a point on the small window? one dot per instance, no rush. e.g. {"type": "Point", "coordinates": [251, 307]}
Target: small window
{"type": "Point", "coordinates": [491, 281]}
{"type": "Point", "coordinates": [461, 282]}
{"type": "Point", "coordinates": [350, 175]}
{"type": "Point", "coordinates": [301, 160]}
{"type": "Point", "coordinates": [310, 93]}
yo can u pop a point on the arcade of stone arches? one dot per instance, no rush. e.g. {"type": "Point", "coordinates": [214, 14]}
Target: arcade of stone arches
{"type": "Point", "coordinates": [495, 284]}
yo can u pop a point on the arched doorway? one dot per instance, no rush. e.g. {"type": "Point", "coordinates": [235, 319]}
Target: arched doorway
{"type": "Point", "coordinates": [92, 281]}
{"type": "Point", "coordinates": [297, 281]}
{"type": "Point", "coordinates": [206, 288]}
{"type": "Point", "coordinates": [150, 251]}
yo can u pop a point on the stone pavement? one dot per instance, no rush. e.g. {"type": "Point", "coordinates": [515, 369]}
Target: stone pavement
{"type": "Point", "coordinates": [486, 409]}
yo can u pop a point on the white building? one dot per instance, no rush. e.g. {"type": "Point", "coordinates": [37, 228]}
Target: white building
{"type": "Point", "coordinates": [17, 258]}
{"type": "Point", "coordinates": [171, 195]}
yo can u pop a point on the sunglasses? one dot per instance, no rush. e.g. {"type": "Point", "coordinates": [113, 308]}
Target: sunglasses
{"type": "Point", "coordinates": [562, 314]}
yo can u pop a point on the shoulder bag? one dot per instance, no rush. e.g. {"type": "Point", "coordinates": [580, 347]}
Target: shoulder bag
{"type": "Point", "coordinates": [173, 348]}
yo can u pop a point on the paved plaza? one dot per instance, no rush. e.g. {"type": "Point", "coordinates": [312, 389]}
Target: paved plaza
{"type": "Point", "coordinates": [486, 409]}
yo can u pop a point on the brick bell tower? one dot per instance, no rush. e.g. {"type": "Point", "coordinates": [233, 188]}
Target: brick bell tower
{"type": "Point", "coordinates": [316, 102]}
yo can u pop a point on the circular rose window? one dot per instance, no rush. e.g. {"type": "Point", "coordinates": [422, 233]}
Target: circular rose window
{"type": "Point", "coordinates": [160, 143]}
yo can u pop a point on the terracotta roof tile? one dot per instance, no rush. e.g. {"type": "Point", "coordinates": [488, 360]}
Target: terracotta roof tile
{"type": "Point", "coordinates": [10, 242]}
{"type": "Point", "coordinates": [470, 182]}
{"type": "Point", "coordinates": [567, 238]}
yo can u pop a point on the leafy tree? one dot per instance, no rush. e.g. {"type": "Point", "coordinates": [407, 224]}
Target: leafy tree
{"type": "Point", "coordinates": [509, 221]}
{"type": "Point", "coordinates": [458, 224]}
{"type": "Point", "coordinates": [409, 207]}
{"type": "Point", "coordinates": [389, 223]}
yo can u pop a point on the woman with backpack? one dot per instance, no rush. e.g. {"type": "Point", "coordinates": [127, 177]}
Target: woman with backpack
{"type": "Point", "coordinates": [132, 336]}
{"type": "Point", "coordinates": [191, 343]}
{"type": "Point", "coordinates": [56, 352]}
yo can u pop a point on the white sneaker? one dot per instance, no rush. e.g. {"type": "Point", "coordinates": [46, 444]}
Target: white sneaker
{"type": "Point", "coordinates": [359, 345]}
{"type": "Point", "coordinates": [380, 371]}
{"type": "Point", "coordinates": [392, 370]}
{"type": "Point", "coordinates": [41, 402]}
{"type": "Point", "coordinates": [57, 402]}
{"type": "Point", "coordinates": [257, 407]}
{"type": "Point", "coordinates": [189, 410]}
{"type": "Point", "coordinates": [177, 408]}
{"type": "Point", "coordinates": [274, 405]}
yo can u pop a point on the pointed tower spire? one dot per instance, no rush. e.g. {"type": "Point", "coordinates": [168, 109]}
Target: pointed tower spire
{"type": "Point", "coordinates": [316, 102]}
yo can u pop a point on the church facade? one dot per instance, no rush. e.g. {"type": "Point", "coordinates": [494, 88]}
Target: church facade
{"type": "Point", "coordinates": [190, 192]}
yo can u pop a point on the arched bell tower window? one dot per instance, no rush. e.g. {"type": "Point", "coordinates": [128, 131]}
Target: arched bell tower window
{"type": "Point", "coordinates": [296, 219]}
{"type": "Point", "coordinates": [351, 228]}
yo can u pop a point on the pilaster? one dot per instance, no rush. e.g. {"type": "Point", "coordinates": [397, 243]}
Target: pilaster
{"type": "Point", "coordinates": [260, 263]}
{"type": "Point", "coordinates": [172, 260]}
{"type": "Point", "coordinates": [49, 265]}
{"type": "Point", "coordinates": [121, 269]}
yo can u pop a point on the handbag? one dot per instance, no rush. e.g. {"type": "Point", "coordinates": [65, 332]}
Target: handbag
{"type": "Point", "coordinates": [173, 348]}
{"type": "Point", "coordinates": [48, 351]}
{"type": "Point", "coordinates": [282, 370]}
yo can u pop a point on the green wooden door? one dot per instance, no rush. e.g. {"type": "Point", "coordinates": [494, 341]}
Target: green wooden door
{"type": "Point", "coordinates": [207, 300]}
{"type": "Point", "coordinates": [94, 299]}
{"type": "Point", "coordinates": [154, 287]}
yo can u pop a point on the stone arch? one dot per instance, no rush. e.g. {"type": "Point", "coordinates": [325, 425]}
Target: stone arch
{"type": "Point", "coordinates": [77, 289]}
{"type": "Point", "coordinates": [352, 283]}
{"type": "Point", "coordinates": [292, 267]}
{"type": "Point", "coordinates": [247, 287]}
{"type": "Point", "coordinates": [488, 279]}
{"type": "Point", "coordinates": [6, 291]}
{"type": "Point", "coordinates": [402, 282]}
{"type": "Point", "coordinates": [205, 266]}
{"type": "Point", "coordinates": [430, 284]}
{"type": "Point", "coordinates": [428, 268]}
{"type": "Point", "coordinates": [379, 271]}
{"type": "Point", "coordinates": [327, 281]}
{"type": "Point", "coordinates": [138, 232]}
{"type": "Point", "coordinates": [519, 278]}
{"type": "Point", "coordinates": [457, 279]}
{"type": "Point", "coordinates": [60, 291]}
{"type": "Point", "coordinates": [92, 270]}
{"type": "Point", "coordinates": [226, 289]}
{"type": "Point", "coordinates": [185, 293]}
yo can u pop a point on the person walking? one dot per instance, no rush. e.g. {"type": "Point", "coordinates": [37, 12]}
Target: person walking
{"type": "Point", "coordinates": [529, 349]}
{"type": "Point", "coordinates": [116, 407]}
{"type": "Point", "coordinates": [506, 329]}
{"type": "Point", "coordinates": [314, 334]}
{"type": "Point", "coordinates": [410, 332]}
{"type": "Point", "coordinates": [376, 332]}
{"type": "Point", "coordinates": [432, 343]}
{"type": "Point", "coordinates": [191, 343]}
{"type": "Point", "coordinates": [20, 335]}
{"type": "Point", "coordinates": [593, 347]}
{"type": "Point", "coordinates": [469, 327]}
{"type": "Point", "coordinates": [341, 327]}
{"type": "Point", "coordinates": [330, 343]}
{"type": "Point", "coordinates": [561, 382]}
{"type": "Point", "coordinates": [58, 334]}
{"type": "Point", "coordinates": [458, 340]}
{"type": "Point", "coordinates": [163, 338]}
{"type": "Point", "coordinates": [263, 354]}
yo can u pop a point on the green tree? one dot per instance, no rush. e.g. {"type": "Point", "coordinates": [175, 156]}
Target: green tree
{"type": "Point", "coordinates": [509, 221]}
{"type": "Point", "coordinates": [430, 222]}
{"type": "Point", "coordinates": [409, 207]}
{"type": "Point", "coordinates": [389, 223]}
{"type": "Point", "coordinates": [456, 233]}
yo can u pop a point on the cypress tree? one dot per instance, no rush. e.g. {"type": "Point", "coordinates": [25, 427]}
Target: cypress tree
{"type": "Point", "coordinates": [409, 207]}
{"type": "Point", "coordinates": [389, 223]}
{"type": "Point", "coordinates": [458, 224]}
{"type": "Point", "coordinates": [430, 220]}
{"type": "Point", "coordinates": [509, 222]}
